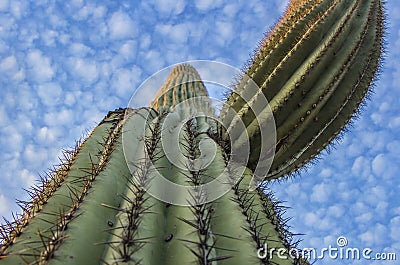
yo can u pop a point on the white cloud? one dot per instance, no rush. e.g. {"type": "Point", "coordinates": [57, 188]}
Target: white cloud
{"type": "Point", "coordinates": [128, 50]}
{"type": "Point", "coordinates": [382, 166]}
{"type": "Point", "coordinates": [325, 224]}
{"type": "Point", "coordinates": [18, 8]}
{"type": "Point", "coordinates": [59, 118]}
{"type": "Point", "coordinates": [382, 208]}
{"type": "Point", "coordinates": [26, 98]}
{"type": "Point", "coordinates": [12, 139]}
{"type": "Point", "coordinates": [207, 5]}
{"type": "Point", "coordinates": [145, 41]}
{"type": "Point", "coordinates": [77, 3]}
{"type": "Point", "coordinates": [47, 135]}
{"type": "Point", "coordinates": [379, 164]}
{"type": "Point", "coordinates": [225, 32]}
{"type": "Point", "coordinates": [326, 173]}
{"type": "Point", "coordinates": [121, 26]}
{"type": "Point", "coordinates": [9, 64]}
{"type": "Point", "coordinates": [3, 47]}
{"type": "Point", "coordinates": [24, 123]}
{"type": "Point", "coordinates": [384, 106]}
{"type": "Point", "coordinates": [86, 70]}
{"type": "Point", "coordinates": [69, 99]}
{"type": "Point", "coordinates": [364, 218]}
{"type": "Point", "coordinates": [367, 237]}
{"type": "Point", "coordinates": [7, 25]}
{"type": "Point", "coordinates": [154, 60]}
{"type": "Point", "coordinates": [39, 67]}
{"type": "Point", "coordinates": [336, 211]}
{"type": "Point", "coordinates": [125, 81]}
{"type": "Point", "coordinates": [84, 12]}
{"type": "Point", "coordinates": [359, 208]}
{"type": "Point", "coordinates": [49, 37]}
{"type": "Point", "coordinates": [5, 205]}
{"type": "Point", "coordinates": [377, 194]}
{"type": "Point", "coordinates": [360, 166]}
{"type": "Point", "coordinates": [170, 7]}
{"type": "Point", "coordinates": [28, 178]}
{"type": "Point", "coordinates": [4, 120]}
{"type": "Point", "coordinates": [99, 12]}
{"type": "Point", "coordinates": [354, 150]}
{"type": "Point", "coordinates": [4, 4]}
{"type": "Point", "coordinates": [126, 55]}
{"type": "Point", "coordinates": [79, 49]}
{"type": "Point", "coordinates": [311, 219]}
{"type": "Point", "coordinates": [377, 118]}
{"type": "Point", "coordinates": [10, 68]}
{"type": "Point", "coordinates": [231, 9]}
{"type": "Point", "coordinates": [294, 189]}
{"type": "Point", "coordinates": [394, 122]}
{"type": "Point", "coordinates": [50, 94]}
{"type": "Point", "coordinates": [178, 33]}
{"type": "Point", "coordinates": [376, 233]}
{"type": "Point", "coordinates": [321, 193]}
{"type": "Point", "coordinates": [34, 155]}
{"type": "Point", "coordinates": [395, 228]}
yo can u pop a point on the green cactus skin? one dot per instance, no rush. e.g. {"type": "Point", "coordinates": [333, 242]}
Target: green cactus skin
{"type": "Point", "coordinates": [98, 214]}
{"type": "Point", "coordinates": [93, 210]}
{"type": "Point", "coordinates": [64, 197]}
{"type": "Point", "coordinates": [183, 82]}
{"type": "Point", "coordinates": [315, 68]}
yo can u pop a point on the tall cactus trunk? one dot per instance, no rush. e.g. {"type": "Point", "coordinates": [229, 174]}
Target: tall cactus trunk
{"type": "Point", "coordinates": [103, 205]}
{"type": "Point", "coordinates": [96, 210]}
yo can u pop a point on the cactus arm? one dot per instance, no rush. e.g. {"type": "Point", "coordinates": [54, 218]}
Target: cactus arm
{"type": "Point", "coordinates": [311, 78]}
{"type": "Point", "coordinates": [293, 68]}
{"type": "Point", "coordinates": [280, 50]}
{"type": "Point", "coordinates": [50, 211]}
{"type": "Point", "coordinates": [346, 91]}
{"type": "Point", "coordinates": [349, 106]}
{"type": "Point", "coordinates": [328, 87]}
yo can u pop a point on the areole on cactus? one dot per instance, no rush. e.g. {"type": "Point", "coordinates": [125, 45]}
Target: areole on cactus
{"type": "Point", "coordinates": [315, 68]}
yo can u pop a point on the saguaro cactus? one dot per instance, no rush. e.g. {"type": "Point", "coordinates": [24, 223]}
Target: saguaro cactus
{"type": "Point", "coordinates": [315, 67]}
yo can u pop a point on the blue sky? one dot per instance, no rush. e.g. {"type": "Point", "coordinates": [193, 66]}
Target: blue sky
{"type": "Point", "coordinates": [64, 64]}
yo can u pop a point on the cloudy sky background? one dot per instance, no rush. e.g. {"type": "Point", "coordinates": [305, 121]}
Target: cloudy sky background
{"type": "Point", "coordinates": [65, 64]}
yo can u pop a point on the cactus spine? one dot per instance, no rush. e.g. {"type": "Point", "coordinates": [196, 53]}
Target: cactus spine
{"type": "Point", "coordinates": [315, 67]}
